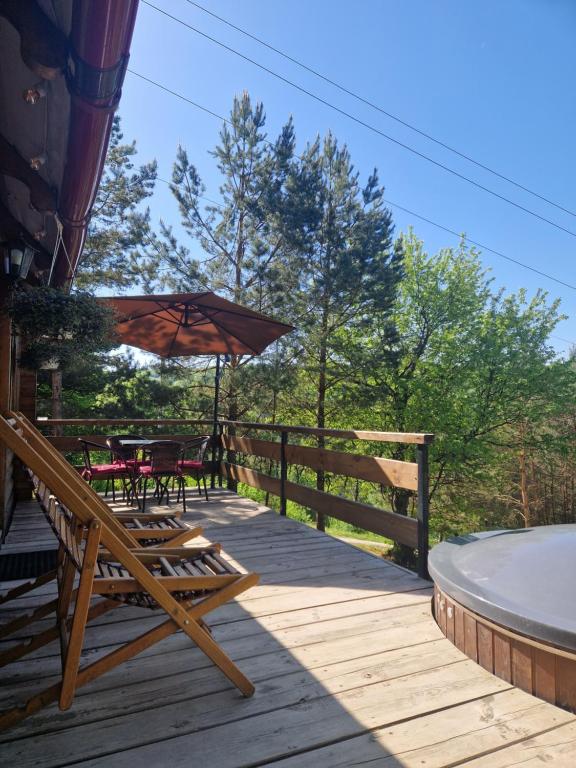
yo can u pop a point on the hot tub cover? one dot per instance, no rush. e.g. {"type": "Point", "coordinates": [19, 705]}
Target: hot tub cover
{"type": "Point", "coordinates": [523, 579]}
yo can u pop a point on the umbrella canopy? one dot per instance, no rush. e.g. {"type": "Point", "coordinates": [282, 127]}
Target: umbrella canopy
{"type": "Point", "coordinates": [182, 324]}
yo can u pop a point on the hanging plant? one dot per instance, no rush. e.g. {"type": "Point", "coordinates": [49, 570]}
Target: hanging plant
{"type": "Point", "coordinates": [57, 326]}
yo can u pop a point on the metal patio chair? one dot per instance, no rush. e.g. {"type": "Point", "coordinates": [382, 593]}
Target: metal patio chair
{"type": "Point", "coordinates": [194, 463]}
{"type": "Point", "coordinates": [165, 464]}
{"type": "Point", "coordinates": [109, 471]}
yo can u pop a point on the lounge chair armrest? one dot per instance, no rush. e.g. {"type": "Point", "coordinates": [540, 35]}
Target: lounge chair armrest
{"type": "Point", "coordinates": [148, 517]}
{"type": "Point", "coordinates": [152, 554]}
{"type": "Point", "coordinates": [180, 552]}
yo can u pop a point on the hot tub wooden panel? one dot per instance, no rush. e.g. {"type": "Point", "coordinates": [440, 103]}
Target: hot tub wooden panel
{"type": "Point", "coordinates": [540, 669]}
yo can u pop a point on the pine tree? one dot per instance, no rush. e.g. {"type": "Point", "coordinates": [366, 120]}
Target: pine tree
{"type": "Point", "coordinates": [242, 237]}
{"type": "Point", "coordinates": [348, 270]}
{"type": "Point", "coordinates": [119, 230]}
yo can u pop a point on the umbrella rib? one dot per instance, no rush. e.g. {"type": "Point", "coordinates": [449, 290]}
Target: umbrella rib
{"type": "Point", "coordinates": [174, 315]}
{"type": "Point", "coordinates": [208, 319]}
{"type": "Point", "coordinates": [179, 326]}
{"type": "Point", "coordinates": [129, 318]}
{"type": "Point", "coordinates": [171, 347]}
{"type": "Point", "coordinates": [222, 329]}
{"type": "Point", "coordinates": [202, 321]}
{"type": "Point", "coordinates": [249, 313]}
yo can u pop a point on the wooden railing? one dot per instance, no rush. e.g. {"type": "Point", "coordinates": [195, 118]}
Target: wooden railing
{"type": "Point", "coordinates": [233, 441]}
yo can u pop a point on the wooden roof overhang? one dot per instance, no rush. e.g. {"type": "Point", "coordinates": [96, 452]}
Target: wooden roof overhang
{"type": "Point", "coordinates": [73, 54]}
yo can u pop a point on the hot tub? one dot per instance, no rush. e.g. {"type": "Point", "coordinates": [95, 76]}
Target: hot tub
{"type": "Point", "coordinates": [507, 599]}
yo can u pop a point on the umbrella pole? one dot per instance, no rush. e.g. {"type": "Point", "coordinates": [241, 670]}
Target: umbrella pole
{"type": "Point", "coordinates": [215, 423]}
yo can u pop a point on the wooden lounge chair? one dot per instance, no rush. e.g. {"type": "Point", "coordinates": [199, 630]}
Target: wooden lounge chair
{"type": "Point", "coordinates": [145, 529]}
{"type": "Point", "coordinates": [185, 583]}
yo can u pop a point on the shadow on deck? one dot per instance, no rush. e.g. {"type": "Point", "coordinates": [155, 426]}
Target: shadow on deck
{"type": "Point", "coordinates": [349, 666]}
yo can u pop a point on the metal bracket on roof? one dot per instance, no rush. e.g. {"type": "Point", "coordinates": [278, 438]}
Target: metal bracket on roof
{"type": "Point", "coordinates": [94, 84]}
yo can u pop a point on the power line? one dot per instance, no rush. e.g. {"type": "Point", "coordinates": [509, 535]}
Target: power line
{"type": "Point", "coordinates": [201, 197]}
{"type": "Point", "coordinates": [382, 111]}
{"type": "Point", "coordinates": [178, 95]}
{"type": "Point", "coordinates": [362, 123]}
{"type": "Point", "coordinates": [483, 247]}
{"type": "Point", "coordinates": [388, 202]}
{"type": "Point", "coordinates": [566, 341]}
{"type": "Point", "coordinates": [440, 226]}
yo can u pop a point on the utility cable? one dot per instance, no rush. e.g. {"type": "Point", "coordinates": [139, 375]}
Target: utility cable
{"type": "Point", "coordinates": [376, 107]}
{"type": "Point", "coordinates": [461, 236]}
{"type": "Point", "coordinates": [361, 122]}
{"type": "Point", "coordinates": [388, 202]}
{"type": "Point", "coordinates": [480, 245]}
{"type": "Point", "coordinates": [566, 341]}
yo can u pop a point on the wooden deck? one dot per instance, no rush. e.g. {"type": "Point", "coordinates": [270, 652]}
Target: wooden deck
{"type": "Point", "coordinates": [350, 669]}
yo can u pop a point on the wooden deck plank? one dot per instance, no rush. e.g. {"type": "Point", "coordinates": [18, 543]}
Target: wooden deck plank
{"type": "Point", "coordinates": [256, 653]}
{"type": "Point", "coordinates": [326, 588]}
{"type": "Point", "coordinates": [364, 573]}
{"type": "Point", "coordinates": [393, 626]}
{"type": "Point", "coordinates": [312, 723]}
{"type": "Point", "coordinates": [206, 710]}
{"type": "Point", "coordinates": [556, 748]}
{"type": "Point", "coordinates": [331, 585]}
{"type": "Point", "coordinates": [350, 669]}
{"type": "Point", "coordinates": [443, 738]}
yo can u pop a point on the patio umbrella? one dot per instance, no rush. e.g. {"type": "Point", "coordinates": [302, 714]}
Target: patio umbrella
{"type": "Point", "coordinates": [181, 324]}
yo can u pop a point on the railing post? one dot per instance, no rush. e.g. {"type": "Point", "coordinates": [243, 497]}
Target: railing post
{"type": "Point", "coordinates": [215, 436]}
{"type": "Point", "coordinates": [283, 471]}
{"type": "Point", "coordinates": [231, 484]}
{"type": "Point", "coordinates": [423, 508]}
{"type": "Point", "coordinates": [215, 420]}
{"type": "Point", "coordinates": [220, 452]}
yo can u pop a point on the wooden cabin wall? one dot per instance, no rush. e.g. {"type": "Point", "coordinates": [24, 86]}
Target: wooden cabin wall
{"type": "Point", "coordinates": [6, 401]}
{"type": "Point", "coordinates": [25, 387]}
{"type": "Point", "coordinates": [17, 391]}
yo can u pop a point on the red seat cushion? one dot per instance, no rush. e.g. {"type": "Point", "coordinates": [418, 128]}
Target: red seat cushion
{"type": "Point", "coordinates": [146, 469]}
{"type": "Point", "coordinates": [131, 463]}
{"type": "Point", "coordinates": [107, 469]}
{"type": "Point", "coordinates": [191, 464]}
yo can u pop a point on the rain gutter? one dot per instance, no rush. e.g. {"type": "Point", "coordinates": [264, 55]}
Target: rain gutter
{"type": "Point", "coordinates": [100, 40]}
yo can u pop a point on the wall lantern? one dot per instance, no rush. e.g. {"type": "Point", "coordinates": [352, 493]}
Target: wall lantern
{"type": "Point", "coordinates": [18, 258]}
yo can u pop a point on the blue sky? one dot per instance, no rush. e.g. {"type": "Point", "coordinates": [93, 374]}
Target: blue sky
{"type": "Point", "coordinates": [493, 79]}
